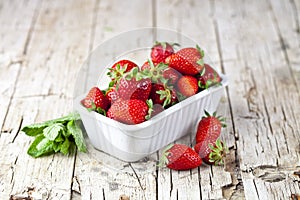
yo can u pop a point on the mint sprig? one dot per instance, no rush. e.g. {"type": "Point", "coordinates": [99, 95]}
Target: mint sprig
{"type": "Point", "coordinates": [58, 135]}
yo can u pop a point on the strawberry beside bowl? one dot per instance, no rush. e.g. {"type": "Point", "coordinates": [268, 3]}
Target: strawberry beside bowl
{"type": "Point", "coordinates": [132, 142]}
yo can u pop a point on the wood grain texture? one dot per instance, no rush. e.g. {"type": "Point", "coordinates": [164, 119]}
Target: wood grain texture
{"type": "Point", "coordinates": [256, 43]}
{"type": "Point", "coordinates": [264, 98]}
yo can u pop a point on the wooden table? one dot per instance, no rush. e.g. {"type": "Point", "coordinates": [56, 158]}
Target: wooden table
{"type": "Point", "coordinates": [256, 43]}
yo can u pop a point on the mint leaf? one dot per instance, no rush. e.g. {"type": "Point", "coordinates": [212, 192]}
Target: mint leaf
{"type": "Point", "coordinates": [69, 117]}
{"type": "Point", "coordinates": [58, 135]}
{"type": "Point", "coordinates": [64, 147]}
{"type": "Point", "coordinates": [68, 133]}
{"type": "Point", "coordinates": [77, 135]}
{"type": "Point", "coordinates": [51, 132]}
{"type": "Point", "coordinates": [34, 129]}
{"type": "Point", "coordinates": [56, 147]}
{"type": "Point", "coordinates": [40, 146]}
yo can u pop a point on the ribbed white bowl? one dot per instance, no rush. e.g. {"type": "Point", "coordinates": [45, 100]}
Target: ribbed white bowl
{"type": "Point", "coordinates": [132, 142]}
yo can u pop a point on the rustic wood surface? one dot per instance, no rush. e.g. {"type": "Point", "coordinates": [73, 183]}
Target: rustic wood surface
{"type": "Point", "coordinates": [44, 43]}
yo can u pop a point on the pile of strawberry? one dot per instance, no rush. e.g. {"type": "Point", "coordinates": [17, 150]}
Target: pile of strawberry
{"type": "Point", "coordinates": [209, 148]}
{"type": "Point", "coordinates": [136, 93]}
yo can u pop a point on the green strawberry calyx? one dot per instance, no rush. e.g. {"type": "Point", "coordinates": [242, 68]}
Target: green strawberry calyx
{"type": "Point", "coordinates": [200, 51]}
{"type": "Point", "coordinates": [96, 109]}
{"type": "Point", "coordinates": [218, 152]}
{"type": "Point", "coordinates": [220, 118]}
{"type": "Point", "coordinates": [165, 94]}
{"type": "Point", "coordinates": [149, 103]}
{"type": "Point", "coordinates": [155, 73]}
{"type": "Point", "coordinates": [201, 60]}
{"type": "Point", "coordinates": [163, 161]}
{"type": "Point", "coordinates": [116, 73]}
{"type": "Point", "coordinates": [209, 82]}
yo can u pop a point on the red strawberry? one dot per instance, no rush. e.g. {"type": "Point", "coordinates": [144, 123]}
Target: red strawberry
{"type": "Point", "coordinates": [160, 51]}
{"type": "Point", "coordinates": [119, 68]}
{"type": "Point", "coordinates": [147, 65]}
{"type": "Point", "coordinates": [133, 89]}
{"type": "Point", "coordinates": [124, 64]}
{"type": "Point", "coordinates": [180, 157]}
{"type": "Point", "coordinates": [157, 108]}
{"type": "Point", "coordinates": [161, 95]}
{"type": "Point", "coordinates": [96, 100]}
{"type": "Point", "coordinates": [209, 128]}
{"type": "Point", "coordinates": [112, 94]}
{"type": "Point", "coordinates": [132, 111]}
{"type": "Point", "coordinates": [174, 98]}
{"type": "Point", "coordinates": [187, 61]}
{"type": "Point", "coordinates": [187, 85]}
{"type": "Point", "coordinates": [212, 154]}
{"type": "Point", "coordinates": [208, 77]}
{"type": "Point", "coordinates": [171, 75]}
{"type": "Point", "coordinates": [156, 97]}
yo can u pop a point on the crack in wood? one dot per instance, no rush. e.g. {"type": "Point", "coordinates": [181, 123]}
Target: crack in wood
{"type": "Point", "coordinates": [18, 130]}
{"type": "Point", "coordinates": [295, 13]}
{"type": "Point", "coordinates": [138, 179]}
{"type": "Point", "coordinates": [171, 183]}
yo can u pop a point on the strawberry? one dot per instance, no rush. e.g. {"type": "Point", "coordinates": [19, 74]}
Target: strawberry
{"type": "Point", "coordinates": [134, 89]}
{"type": "Point", "coordinates": [209, 128]}
{"type": "Point", "coordinates": [133, 86]}
{"type": "Point", "coordinates": [96, 100]}
{"type": "Point", "coordinates": [188, 61]}
{"type": "Point", "coordinates": [171, 75]}
{"type": "Point", "coordinates": [127, 64]}
{"type": "Point", "coordinates": [147, 65]}
{"type": "Point", "coordinates": [112, 94]}
{"type": "Point", "coordinates": [154, 94]}
{"type": "Point", "coordinates": [208, 77]}
{"type": "Point", "coordinates": [174, 97]}
{"type": "Point", "coordinates": [187, 85]}
{"type": "Point", "coordinates": [131, 111]}
{"type": "Point", "coordinates": [160, 51]}
{"type": "Point", "coordinates": [180, 157]}
{"type": "Point", "coordinates": [157, 108]}
{"type": "Point", "coordinates": [161, 94]}
{"type": "Point", "coordinates": [213, 153]}
{"type": "Point", "coordinates": [119, 68]}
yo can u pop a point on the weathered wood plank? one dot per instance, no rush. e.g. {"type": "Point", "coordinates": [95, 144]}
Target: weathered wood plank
{"type": "Point", "coordinates": [99, 175]}
{"type": "Point", "coordinates": [14, 35]}
{"type": "Point", "coordinates": [286, 18]}
{"type": "Point", "coordinates": [44, 91]}
{"type": "Point", "coordinates": [262, 96]}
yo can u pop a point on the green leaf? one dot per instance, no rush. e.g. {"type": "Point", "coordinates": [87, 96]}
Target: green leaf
{"type": "Point", "coordinates": [56, 147]}
{"type": "Point", "coordinates": [77, 135]}
{"type": "Point", "coordinates": [64, 119]}
{"type": "Point", "coordinates": [52, 132]}
{"type": "Point", "coordinates": [64, 147]}
{"type": "Point", "coordinates": [34, 129]}
{"type": "Point", "coordinates": [40, 146]}
{"type": "Point", "coordinates": [60, 137]}
{"type": "Point", "coordinates": [68, 133]}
